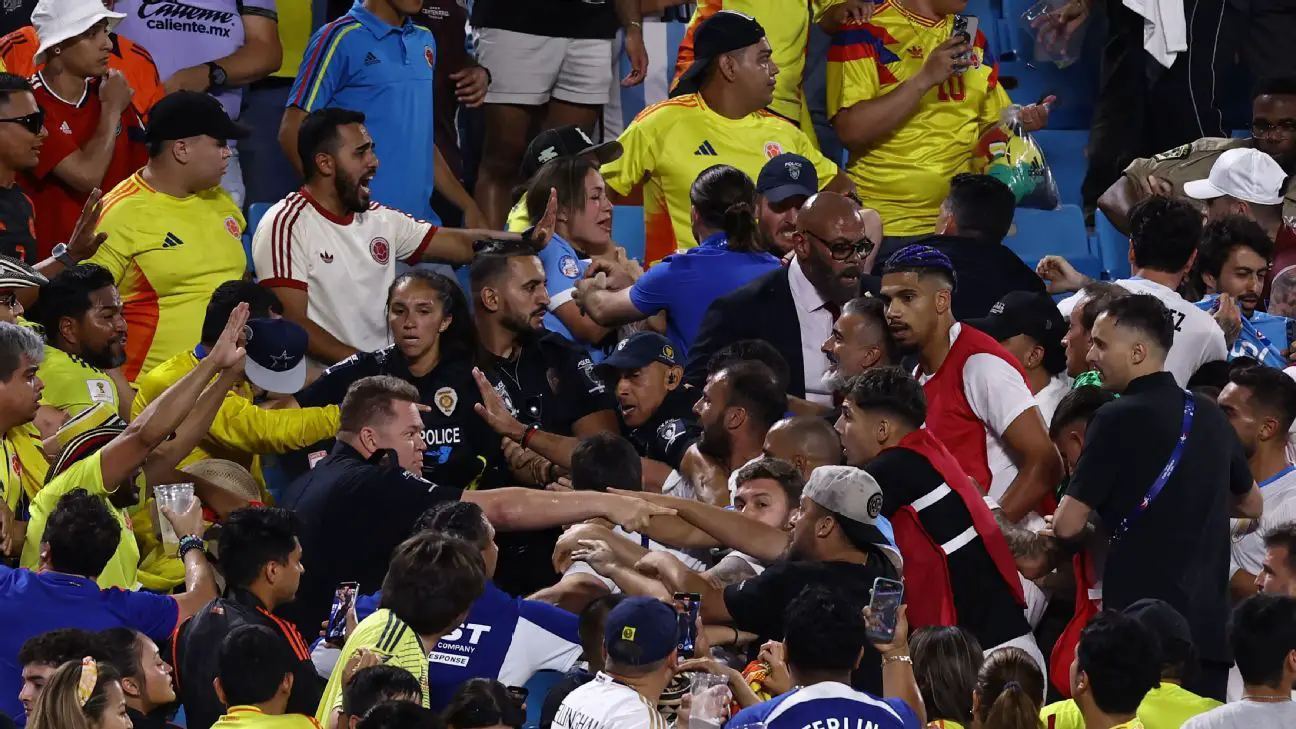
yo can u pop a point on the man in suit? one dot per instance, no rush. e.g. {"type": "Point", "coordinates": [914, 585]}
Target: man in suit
{"type": "Point", "coordinates": [974, 220]}
{"type": "Point", "coordinates": [794, 307]}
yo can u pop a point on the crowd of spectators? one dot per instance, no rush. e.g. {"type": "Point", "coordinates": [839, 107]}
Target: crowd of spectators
{"type": "Point", "coordinates": [330, 399]}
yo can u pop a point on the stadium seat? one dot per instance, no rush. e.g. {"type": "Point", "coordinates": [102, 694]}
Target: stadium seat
{"type": "Point", "coordinates": [1061, 232]}
{"type": "Point", "coordinates": [1027, 81]}
{"type": "Point", "coordinates": [1113, 248]}
{"type": "Point", "coordinates": [255, 212]}
{"type": "Point", "coordinates": [1064, 149]}
{"type": "Point", "coordinates": [628, 230]}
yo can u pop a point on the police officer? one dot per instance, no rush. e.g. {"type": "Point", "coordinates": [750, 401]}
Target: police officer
{"type": "Point", "coordinates": [435, 349]}
{"type": "Point", "coordinates": [362, 500]}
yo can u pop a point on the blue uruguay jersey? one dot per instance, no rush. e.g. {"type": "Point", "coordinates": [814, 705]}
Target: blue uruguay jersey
{"type": "Point", "coordinates": [563, 268]}
{"type": "Point", "coordinates": [505, 638]}
{"type": "Point", "coordinates": [1263, 336]}
{"type": "Point", "coordinates": [828, 705]}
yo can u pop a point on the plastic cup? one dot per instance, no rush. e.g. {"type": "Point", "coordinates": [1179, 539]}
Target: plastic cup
{"type": "Point", "coordinates": [179, 498]}
{"type": "Point", "coordinates": [709, 699]}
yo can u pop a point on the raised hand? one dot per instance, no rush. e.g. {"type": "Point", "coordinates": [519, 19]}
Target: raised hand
{"type": "Point", "coordinates": [85, 241]}
{"type": "Point", "coordinates": [493, 410]}
{"type": "Point", "coordinates": [226, 352]}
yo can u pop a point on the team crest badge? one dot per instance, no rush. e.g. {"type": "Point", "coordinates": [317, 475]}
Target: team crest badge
{"type": "Point", "coordinates": [446, 399]}
{"type": "Point", "coordinates": [380, 249]}
{"type": "Point", "coordinates": [874, 506]}
{"type": "Point", "coordinates": [429, 56]}
{"type": "Point", "coordinates": [567, 266]}
{"type": "Point", "coordinates": [773, 149]}
{"type": "Point", "coordinates": [232, 227]}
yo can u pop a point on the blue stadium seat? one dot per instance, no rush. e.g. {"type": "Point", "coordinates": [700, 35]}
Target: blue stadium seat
{"type": "Point", "coordinates": [1027, 82]}
{"type": "Point", "coordinates": [255, 212]}
{"type": "Point", "coordinates": [1058, 232]}
{"type": "Point", "coordinates": [1065, 151]}
{"type": "Point", "coordinates": [628, 230]}
{"type": "Point", "coordinates": [1113, 248]}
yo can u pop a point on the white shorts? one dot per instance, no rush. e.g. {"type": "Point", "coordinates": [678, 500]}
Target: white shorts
{"type": "Point", "coordinates": [531, 69]}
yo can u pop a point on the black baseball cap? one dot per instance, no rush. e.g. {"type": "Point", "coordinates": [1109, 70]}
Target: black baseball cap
{"type": "Point", "coordinates": [186, 114]}
{"type": "Point", "coordinates": [638, 350]}
{"type": "Point", "coordinates": [787, 175]}
{"type": "Point", "coordinates": [568, 141]}
{"type": "Point", "coordinates": [724, 32]}
{"type": "Point", "coordinates": [1033, 314]}
{"type": "Point", "coordinates": [1168, 625]}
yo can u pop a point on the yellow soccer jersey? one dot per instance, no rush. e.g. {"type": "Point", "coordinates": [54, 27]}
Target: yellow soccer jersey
{"type": "Point", "coordinates": [25, 467]}
{"type": "Point", "coordinates": [388, 636]}
{"type": "Point", "coordinates": [72, 384]}
{"type": "Point", "coordinates": [518, 218]}
{"type": "Point", "coordinates": [250, 717]}
{"type": "Point", "coordinates": [906, 176]}
{"type": "Point", "coordinates": [669, 144]}
{"type": "Point", "coordinates": [167, 255]}
{"type": "Point", "coordinates": [88, 475]}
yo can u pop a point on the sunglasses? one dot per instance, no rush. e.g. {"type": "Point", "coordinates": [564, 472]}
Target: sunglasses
{"type": "Point", "coordinates": [32, 122]}
{"type": "Point", "coordinates": [9, 299]}
{"type": "Point", "coordinates": [844, 251]}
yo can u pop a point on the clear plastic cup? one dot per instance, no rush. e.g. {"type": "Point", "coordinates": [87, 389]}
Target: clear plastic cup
{"type": "Point", "coordinates": [179, 498]}
{"type": "Point", "coordinates": [709, 699]}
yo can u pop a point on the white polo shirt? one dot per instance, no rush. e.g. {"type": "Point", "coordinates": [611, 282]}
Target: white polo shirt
{"type": "Point", "coordinates": [605, 704]}
{"type": "Point", "coordinates": [344, 264]}
{"type": "Point", "coordinates": [1197, 338]}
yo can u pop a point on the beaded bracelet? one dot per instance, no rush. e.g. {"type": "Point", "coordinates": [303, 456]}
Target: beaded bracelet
{"type": "Point", "coordinates": [191, 542]}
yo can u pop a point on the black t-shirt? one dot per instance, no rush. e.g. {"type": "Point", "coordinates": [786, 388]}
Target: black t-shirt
{"type": "Point", "coordinates": [984, 602]}
{"type": "Point", "coordinates": [671, 430]}
{"type": "Point", "coordinates": [353, 512]}
{"type": "Point", "coordinates": [1177, 550]}
{"type": "Point", "coordinates": [17, 221]}
{"type": "Point", "coordinates": [757, 605]}
{"type": "Point", "coordinates": [461, 450]}
{"type": "Point", "coordinates": [553, 18]}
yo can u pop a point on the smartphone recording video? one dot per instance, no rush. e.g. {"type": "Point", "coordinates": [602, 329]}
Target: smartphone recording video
{"type": "Point", "coordinates": [686, 608]}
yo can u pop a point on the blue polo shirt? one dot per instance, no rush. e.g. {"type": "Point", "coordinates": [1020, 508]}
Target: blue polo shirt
{"type": "Point", "coordinates": [364, 63]}
{"type": "Point", "coordinates": [505, 638]}
{"type": "Point", "coordinates": [684, 285]}
{"type": "Point", "coordinates": [32, 603]}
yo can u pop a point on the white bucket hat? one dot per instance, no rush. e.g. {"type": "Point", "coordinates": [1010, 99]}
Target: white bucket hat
{"type": "Point", "coordinates": [59, 20]}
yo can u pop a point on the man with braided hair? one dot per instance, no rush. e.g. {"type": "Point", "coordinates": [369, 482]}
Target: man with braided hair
{"type": "Point", "coordinates": [979, 404]}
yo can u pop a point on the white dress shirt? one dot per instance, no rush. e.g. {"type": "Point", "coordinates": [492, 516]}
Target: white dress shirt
{"type": "Point", "coordinates": [816, 324]}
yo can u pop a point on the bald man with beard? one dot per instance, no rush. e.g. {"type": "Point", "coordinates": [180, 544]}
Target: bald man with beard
{"type": "Point", "coordinates": [794, 307]}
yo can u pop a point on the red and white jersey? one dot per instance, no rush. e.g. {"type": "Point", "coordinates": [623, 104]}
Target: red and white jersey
{"type": "Point", "coordinates": [972, 398]}
{"type": "Point", "coordinates": [344, 264]}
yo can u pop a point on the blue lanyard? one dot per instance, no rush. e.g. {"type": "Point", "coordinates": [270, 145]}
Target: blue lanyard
{"type": "Point", "coordinates": [1175, 456]}
{"type": "Point", "coordinates": [1277, 476]}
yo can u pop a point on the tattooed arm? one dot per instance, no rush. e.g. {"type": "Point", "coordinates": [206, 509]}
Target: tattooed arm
{"type": "Point", "coordinates": [1282, 293]}
{"type": "Point", "coordinates": [731, 570]}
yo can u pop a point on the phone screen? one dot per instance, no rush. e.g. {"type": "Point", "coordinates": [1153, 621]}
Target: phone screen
{"type": "Point", "coordinates": [343, 598]}
{"type": "Point", "coordinates": [686, 608]}
{"type": "Point", "coordinates": [966, 25]}
{"type": "Point", "coordinates": [884, 609]}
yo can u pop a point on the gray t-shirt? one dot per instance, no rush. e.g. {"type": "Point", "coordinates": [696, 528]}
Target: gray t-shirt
{"type": "Point", "coordinates": [1246, 715]}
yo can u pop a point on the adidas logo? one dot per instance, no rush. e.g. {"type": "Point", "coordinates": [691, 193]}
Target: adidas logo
{"type": "Point", "coordinates": [371, 59]}
{"type": "Point", "coordinates": [65, 128]}
{"type": "Point", "coordinates": [706, 150]}
{"type": "Point", "coordinates": [172, 241]}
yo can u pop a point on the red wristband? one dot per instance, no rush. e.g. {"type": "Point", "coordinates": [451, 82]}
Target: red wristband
{"type": "Point", "coordinates": [528, 433]}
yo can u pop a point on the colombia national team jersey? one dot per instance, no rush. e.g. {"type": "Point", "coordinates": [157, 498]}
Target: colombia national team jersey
{"type": "Point", "coordinates": [906, 176]}
{"type": "Point", "coordinates": [167, 255]}
{"type": "Point", "coordinates": [18, 51]}
{"type": "Point", "coordinates": [669, 144]}
{"type": "Point", "coordinates": [72, 384]}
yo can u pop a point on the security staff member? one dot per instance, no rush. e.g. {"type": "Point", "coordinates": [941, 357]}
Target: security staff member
{"type": "Point", "coordinates": [435, 347]}
{"type": "Point", "coordinates": [655, 409]}
{"type": "Point", "coordinates": [362, 500]}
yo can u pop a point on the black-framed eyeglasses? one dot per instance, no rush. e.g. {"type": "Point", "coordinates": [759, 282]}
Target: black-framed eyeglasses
{"type": "Point", "coordinates": [844, 251]}
{"type": "Point", "coordinates": [1264, 128]}
{"type": "Point", "coordinates": [32, 122]}
{"type": "Point", "coordinates": [9, 299]}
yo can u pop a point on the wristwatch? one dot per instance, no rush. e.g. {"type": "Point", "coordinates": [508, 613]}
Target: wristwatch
{"type": "Point", "coordinates": [61, 255]}
{"type": "Point", "coordinates": [215, 76]}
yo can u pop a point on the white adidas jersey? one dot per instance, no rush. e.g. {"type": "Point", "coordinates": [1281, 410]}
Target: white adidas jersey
{"type": "Point", "coordinates": [1197, 339]}
{"type": "Point", "coordinates": [605, 704]}
{"type": "Point", "coordinates": [1247, 552]}
{"type": "Point", "coordinates": [345, 265]}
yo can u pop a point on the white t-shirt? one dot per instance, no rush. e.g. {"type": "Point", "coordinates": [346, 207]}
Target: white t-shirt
{"type": "Point", "coordinates": [345, 265]}
{"type": "Point", "coordinates": [1246, 715]}
{"type": "Point", "coordinates": [1248, 551]}
{"type": "Point", "coordinates": [997, 394]}
{"type": "Point", "coordinates": [816, 326]}
{"type": "Point", "coordinates": [1197, 339]}
{"type": "Point", "coordinates": [1052, 394]}
{"type": "Point", "coordinates": [605, 704]}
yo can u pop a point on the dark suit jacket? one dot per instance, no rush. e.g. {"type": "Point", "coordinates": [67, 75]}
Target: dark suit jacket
{"type": "Point", "coordinates": [986, 271]}
{"type": "Point", "coordinates": [760, 309]}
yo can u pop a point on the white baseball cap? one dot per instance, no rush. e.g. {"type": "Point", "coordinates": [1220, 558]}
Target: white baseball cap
{"type": "Point", "coordinates": [58, 20]}
{"type": "Point", "coordinates": [1246, 174]}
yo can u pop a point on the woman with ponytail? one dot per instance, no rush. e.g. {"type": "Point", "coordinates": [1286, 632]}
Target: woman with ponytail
{"type": "Point", "coordinates": [81, 695]}
{"type": "Point", "coordinates": [728, 255]}
{"type": "Point", "coordinates": [1009, 689]}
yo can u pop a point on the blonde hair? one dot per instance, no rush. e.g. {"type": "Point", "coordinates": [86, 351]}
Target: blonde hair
{"type": "Point", "coordinates": [60, 707]}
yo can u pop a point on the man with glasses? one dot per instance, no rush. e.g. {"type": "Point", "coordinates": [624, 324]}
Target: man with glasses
{"type": "Point", "coordinates": [794, 307]}
{"type": "Point", "coordinates": [1273, 131]}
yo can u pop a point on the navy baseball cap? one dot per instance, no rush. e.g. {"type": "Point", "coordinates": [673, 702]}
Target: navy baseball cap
{"type": "Point", "coordinates": [639, 631]}
{"type": "Point", "coordinates": [787, 175]}
{"type": "Point", "coordinates": [639, 350]}
{"type": "Point", "coordinates": [724, 32]}
{"type": "Point", "coordinates": [276, 355]}
{"type": "Point", "coordinates": [1168, 625]}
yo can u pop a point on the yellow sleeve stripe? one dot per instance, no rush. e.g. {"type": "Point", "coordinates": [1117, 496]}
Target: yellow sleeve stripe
{"type": "Point", "coordinates": [322, 69]}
